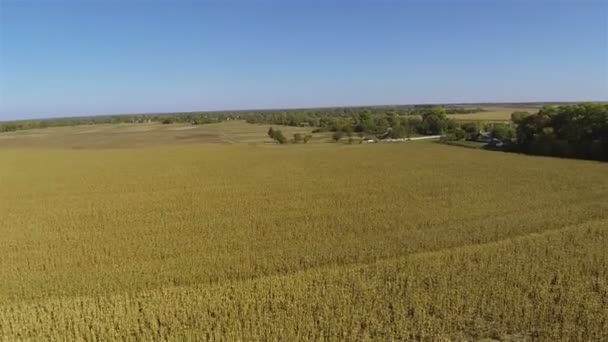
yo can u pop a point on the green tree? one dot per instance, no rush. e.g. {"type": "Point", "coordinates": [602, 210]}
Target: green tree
{"type": "Point", "coordinates": [433, 124]}
{"type": "Point", "coordinates": [502, 131]}
{"type": "Point", "coordinates": [471, 130]}
{"type": "Point", "coordinates": [518, 116]}
{"type": "Point", "coordinates": [434, 120]}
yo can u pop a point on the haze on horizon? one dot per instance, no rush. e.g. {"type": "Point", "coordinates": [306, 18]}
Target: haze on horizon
{"type": "Point", "coordinates": [74, 58]}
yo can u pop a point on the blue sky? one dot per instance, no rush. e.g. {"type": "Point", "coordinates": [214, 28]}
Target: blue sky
{"type": "Point", "coordinates": [61, 58]}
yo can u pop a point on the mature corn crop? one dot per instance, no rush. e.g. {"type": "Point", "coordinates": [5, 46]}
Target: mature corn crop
{"type": "Point", "coordinates": [314, 242]}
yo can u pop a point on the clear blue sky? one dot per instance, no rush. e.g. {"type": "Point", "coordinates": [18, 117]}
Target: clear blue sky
{"type": "Point", "coordinates": [82, 57]}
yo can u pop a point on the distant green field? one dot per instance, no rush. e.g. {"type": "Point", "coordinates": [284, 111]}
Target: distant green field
{"type": "Point", "coordinates": [236, 238]}
{"type": "Point", "coordinates": [491, 114]}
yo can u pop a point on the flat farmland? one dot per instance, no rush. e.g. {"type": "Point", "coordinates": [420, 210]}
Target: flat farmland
{"type": "Point", "coordinates": [492, 114]}
{"type": "Point", "coordinates": [135, 135]}
{"type": "Point", "coordinates": [248, 240]}
{"type": "Point", "coordinates": [281, 171]}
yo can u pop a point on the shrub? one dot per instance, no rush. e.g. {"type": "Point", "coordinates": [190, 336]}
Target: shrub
{"type": "Point", "coordinates": [502, 131]}
{"type": "Point", "coordinates": [298, 138]}
{"type": "Point", "coordinates": [337, 136]}
{"type": "Point", "coordinates": [279, 137]}
{"type": "Point", "coordinates": [459, 134]}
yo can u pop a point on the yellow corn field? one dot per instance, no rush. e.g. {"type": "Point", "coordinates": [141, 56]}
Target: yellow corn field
{"type": "Point", "coordinates": [415, 241]}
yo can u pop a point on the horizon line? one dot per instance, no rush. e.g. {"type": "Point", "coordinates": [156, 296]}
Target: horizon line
{"type": "Point", "coordinates": [260, 109]}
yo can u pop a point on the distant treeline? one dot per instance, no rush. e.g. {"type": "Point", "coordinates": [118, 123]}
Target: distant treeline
{"type": "Point", "coordinates": [382, 122]}
{"type": "Point", "coordinates": [325, 118]}
{"type": "Point", "coordinates": [464, 110]}
{"type": "Point", "coordinates": [192, 118]}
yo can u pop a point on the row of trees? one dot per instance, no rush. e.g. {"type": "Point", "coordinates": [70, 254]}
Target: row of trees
{"type": "Point", "coordinates": [464, 110]}
{"type": "Point", "coordinates": [573, 131]}
{"type": "Point", "coordinates": [192, 118]}
{"type": "Point", "coordinates": [330, 119]}
{"type": "Point", "coordinates": [278, 136]}
{"type": "Point", "coordinates": [570, 131]}
{"type": "Point", "coordinates": [472, 131]}
{"type": "Point", "coordinates": [427, 120]}
{"type": "Point", "coordinates": [389, 124]}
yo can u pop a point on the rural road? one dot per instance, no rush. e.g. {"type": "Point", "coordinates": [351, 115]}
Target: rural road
{"type": "Point", "coordinates": [412, 139]}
